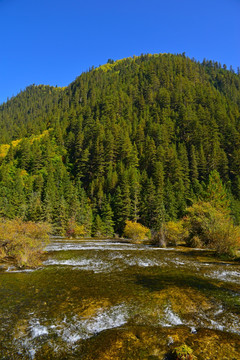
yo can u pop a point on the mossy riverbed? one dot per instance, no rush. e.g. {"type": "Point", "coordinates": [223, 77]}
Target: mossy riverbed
{"type": "Point", "coordinates": [111, 300]}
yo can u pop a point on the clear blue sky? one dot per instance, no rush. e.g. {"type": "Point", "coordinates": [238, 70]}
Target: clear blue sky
{"type": "Point", "coordinates": [53, 41]}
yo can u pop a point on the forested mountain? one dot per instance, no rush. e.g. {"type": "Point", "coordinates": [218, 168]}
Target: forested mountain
{"type": "Point", "coordinates": [133, 139]}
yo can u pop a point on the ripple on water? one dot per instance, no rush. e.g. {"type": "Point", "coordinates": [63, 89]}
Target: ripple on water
{"type": "Point", "coordinates": [101, 245]}
{"type": "Point", "coordinates": [71, 330]}
{"type": "Point", "coordinates": [76, 328]}
{"type": "Point", "coordinates": [171, 318]}
{"type": "Point", "coordinates": [224, 275]}
{"type": "Point", "coordinates": [142, 262]}
{"type": "Point", "coordinates": [37, 329]}
{"type": "Point", "coordinates": [83, 264]}
{"type": "Point", "coordinates": [12, 269]}
{"type": "Point", "coordinates": [223, 322]}
{"type": "Point", "coordinates": [167, 265]}
{"type": "Point", "coordinates": [114, 261]}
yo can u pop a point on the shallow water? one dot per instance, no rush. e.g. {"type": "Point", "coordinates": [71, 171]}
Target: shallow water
{"type": "Point", "coordinates": [86, 287]}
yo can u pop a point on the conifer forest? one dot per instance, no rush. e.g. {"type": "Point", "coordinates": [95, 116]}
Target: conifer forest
{"type": "Point", "coordinates": [135, 139]}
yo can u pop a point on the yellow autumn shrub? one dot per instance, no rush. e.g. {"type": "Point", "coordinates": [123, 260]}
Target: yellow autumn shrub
{"type": "Point", "coordinates": [175, 232]}
{"type": "Point", "coordinates": [23, 242]}
{"type": "Point", "coordinates": [136, 231]}
{"type": "Point", "coordinates": [213, 229]}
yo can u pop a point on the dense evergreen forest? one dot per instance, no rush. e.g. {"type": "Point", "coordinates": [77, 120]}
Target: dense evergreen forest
{"type": "Point", "coordinates": [135, 139]}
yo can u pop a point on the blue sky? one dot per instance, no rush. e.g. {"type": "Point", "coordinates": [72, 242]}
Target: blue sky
{"type": "Point", "coordinates": [53, 41]}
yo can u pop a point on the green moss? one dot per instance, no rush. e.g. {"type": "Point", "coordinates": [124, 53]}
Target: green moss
{"type": "Point", "coordinates": [183, 352]}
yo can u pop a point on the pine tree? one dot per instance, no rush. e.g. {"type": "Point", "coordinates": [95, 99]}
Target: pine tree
{"type": "Point", "coordinates": [18, 201]}
{"type": "Point", "coordinates": [35, 211]}
{"type": "Point", "coordinates": [202, 166]}
{"type": "Point", "coordinates": [98, 226]}
{"type": "Point", "coordinates": [170, 202]}
{"type": "Point", "coordinates": [134, 179]}
{"type": "Point", "coordinates": [36, 157]}
{"type": "Point", "coordinates": [10, 154]}
{"type": "Point", "coordinates": [126, 199]}
{"type": "Point", "coordinates": [216, 193]}
{"type": "Point", "coordinates": [183, 158]}
{"type": "Point", "coordinates": [107, 219]}
{"type": "Point", "coordinates": [84, 216]}
{"type": "Point", "coordinates": [117, 207]}
{"type": "Point", "coordinates": [60, 219]}
{"type": "Point", "coordinates": [24, 154]}
{"type": "Point", "coordinates": [148, 204]}
{"type": "Point", "coordinates": [193, 164]}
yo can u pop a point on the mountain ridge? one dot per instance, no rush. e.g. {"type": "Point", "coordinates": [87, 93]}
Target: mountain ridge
{"type": "Point", "coordinates": [127, 139]}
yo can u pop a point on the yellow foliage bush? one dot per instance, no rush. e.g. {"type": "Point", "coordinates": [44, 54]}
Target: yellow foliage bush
{"type": "Point", "coordinates": [136, 231]}
{"type": "Point", "coordinates": [80, 230]}
{"type": "Point", "coordinates": [23, 242]}
{"type": "Point", "coordinates": [213, 229]}
{"type": "Point", "coordinates": [174, 232]}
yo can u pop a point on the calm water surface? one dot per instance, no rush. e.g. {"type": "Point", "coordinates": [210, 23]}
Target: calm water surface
{"type": "Point", "coordinates": [86, 287]}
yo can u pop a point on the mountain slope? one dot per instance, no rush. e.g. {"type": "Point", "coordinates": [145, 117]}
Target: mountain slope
{"type": "Point", "coordinates": [28, 112]}
{"type": "Point", "coordinates": [133, 139]}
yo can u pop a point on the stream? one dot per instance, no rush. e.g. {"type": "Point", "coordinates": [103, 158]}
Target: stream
{"type": "Point", "coordinates": [92, 297]}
